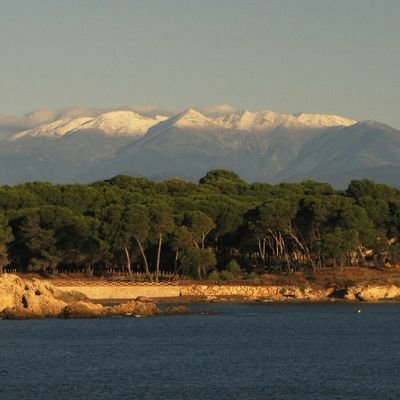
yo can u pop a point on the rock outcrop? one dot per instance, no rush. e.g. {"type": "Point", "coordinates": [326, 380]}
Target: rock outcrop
{"type": "Point", "coordinates": [367, 292]}
{"type": "Point", "coordinates": [373, 293]}
{"type": "Point", "coordinates": [24, 298]}
{"type": "Point", "coordinates": [82, 309]}
{"type": "Point", "coordinates": [257, 293]}
{"type": "Point", "coordinates": [142, 307]}
{"type": "Point", "coordinates": [34, 298]}
{"type": "Point", "coordinates": [174, 310]}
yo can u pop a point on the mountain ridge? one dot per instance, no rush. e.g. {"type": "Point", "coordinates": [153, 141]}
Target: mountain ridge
{"type": "Point", "coordinates": [260, 146]}
{"type": "Point", "coordinates": [112, 122]}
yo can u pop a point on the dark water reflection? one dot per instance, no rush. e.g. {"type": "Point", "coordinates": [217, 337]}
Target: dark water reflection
{"type": "Point", "coordinates": [245, 351]}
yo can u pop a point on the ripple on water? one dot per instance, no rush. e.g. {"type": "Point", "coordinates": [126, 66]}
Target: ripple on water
{"type": "Point", "coordinates": [238, 351]}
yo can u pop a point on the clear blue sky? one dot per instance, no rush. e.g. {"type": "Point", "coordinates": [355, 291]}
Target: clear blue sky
{"type": "Point", "coordinates": [326, 56]}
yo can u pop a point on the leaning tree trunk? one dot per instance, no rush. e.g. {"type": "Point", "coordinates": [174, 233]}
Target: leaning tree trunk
{"type": "Point", "coordinates": [261, 249]}
{"type": "Point", "coordinates": [158, 257]}
{"type": "Point", "coordinates": [128, 263]}
{"type": "Point", "coordinates": [176, 261]}
{"type": "Point", "coordinates": [359, 248]}
{"type": "Point", "coordinates": [146, 264]}
{"type": "Point", "coordinates": [305, 249]}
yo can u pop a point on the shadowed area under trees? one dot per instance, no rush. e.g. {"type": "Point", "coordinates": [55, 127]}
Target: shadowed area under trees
{"type": "Point", "coordinates": [219, 228]}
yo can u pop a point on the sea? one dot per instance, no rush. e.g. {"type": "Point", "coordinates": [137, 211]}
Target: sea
{"type": "Point", "coordinates": [221, 351]}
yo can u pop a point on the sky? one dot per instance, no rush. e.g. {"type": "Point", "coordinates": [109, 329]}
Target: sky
{"type": "Point", "coordinates": [318, 56]}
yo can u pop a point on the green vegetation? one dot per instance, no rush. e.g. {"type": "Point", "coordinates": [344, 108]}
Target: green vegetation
{"type": "Point", "coordinates": [220, 229]}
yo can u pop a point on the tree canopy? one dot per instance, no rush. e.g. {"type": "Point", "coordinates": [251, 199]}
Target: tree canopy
{"type": "Point", "coordinates": [136, 225]}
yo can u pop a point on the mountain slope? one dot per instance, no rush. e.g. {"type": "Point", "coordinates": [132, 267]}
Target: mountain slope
{"type": "Point", "coordinates": [63, 150]}
{"type": "Point", "coordinates": [55, 160]}
{"type": "Point", "coordinates": [351, 153]}
{"type": "Point", "coordinates": [121, 122]}
{"type": "Point", "coordinates": [259, 146]}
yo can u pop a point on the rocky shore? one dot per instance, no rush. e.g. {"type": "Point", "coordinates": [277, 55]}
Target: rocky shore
{"type": "Point", "coordinates": [360, 291]}
{"type": "Point", "coordinates": [35, 298]}
{"type": "Point", "coordinates": [367, 292]}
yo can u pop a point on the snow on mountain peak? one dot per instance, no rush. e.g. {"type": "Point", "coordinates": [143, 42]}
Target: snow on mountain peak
{"type": "Point", "coordinates": [247, 121]}
{"type": "Point", "coordinates": [126, 123]}
{"type": "Point", "coordinates": [264, 120]}
{"type": "Point", "coordinates": [129, 123]}
{"type": "Point", "coordinates": [323, 120]}
{"type": "Point", "coordinates": [123, 122]}
{"type": "Point", "coordinates": [53, 129]}
{"type": "Point", "coordinates": [252, 121]}
{"type": "Point", "coordinates": [191, 118]}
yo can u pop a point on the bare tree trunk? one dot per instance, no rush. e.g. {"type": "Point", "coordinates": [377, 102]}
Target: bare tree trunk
{"type": "Point", "coordinates": [261, 249]}
{"type": "Point", "coordinates": [203, 238]}
{"type": "Point", "coordinates": [304, 248]}
{"type": "Point", "coordinates": [362, 255]}
{"type": "Point", "coordinates": [146, 264]}
{"type": "Point", "coordinates": [158, 257]}
{"type": "Point", "coordinates": [176, 261]}
{"type": "Point", "coordinates": [128, 263]}
{"type": "Point", "coordinates": [285, 252]}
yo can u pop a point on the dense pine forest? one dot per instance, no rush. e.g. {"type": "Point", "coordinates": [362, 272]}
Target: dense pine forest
{"type": "Point", "coordinates": [215, 229]}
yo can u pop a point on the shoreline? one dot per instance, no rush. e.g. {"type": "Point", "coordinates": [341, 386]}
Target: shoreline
{"type": "Point", "coordinates": [241, 300]}
{"type": "Point", "coordinates": [179, 293]}
{"type": "Point", "coordinates": [24, 298]}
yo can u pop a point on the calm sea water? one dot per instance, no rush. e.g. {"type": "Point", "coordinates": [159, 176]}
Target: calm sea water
{"type": "Point", "coordinates": [244, 351]}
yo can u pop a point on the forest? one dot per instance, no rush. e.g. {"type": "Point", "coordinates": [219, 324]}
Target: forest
{"type": "Point", "coordinates": [215, 229]}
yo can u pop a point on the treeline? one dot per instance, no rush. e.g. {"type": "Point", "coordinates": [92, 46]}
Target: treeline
{"type": "Point", "coordinates": [136, 225]}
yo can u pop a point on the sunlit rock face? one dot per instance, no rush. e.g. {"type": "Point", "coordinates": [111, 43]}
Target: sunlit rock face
{"type": "Point", "coordinates": [29, 298]}
{"type": "Point", "coordinates": [373, 292]}
{"type": "Point", "coordinates": [35, 298]}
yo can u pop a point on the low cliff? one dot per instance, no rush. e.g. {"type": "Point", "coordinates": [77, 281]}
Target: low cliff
{"type": "Point", "coordinates": [374, 292]}
{"type": "Point", "coordinates": [33, 298]}
{"type": "Point", "coordinates": [273, 293]}
{"type": "Point", "coordinates": [213, 292]}
{"type": "Point", "coordinates": [36, 298]}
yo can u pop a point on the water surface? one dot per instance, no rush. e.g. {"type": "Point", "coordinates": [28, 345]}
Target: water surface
{"type": "Point", "coordinates": [244, 351]}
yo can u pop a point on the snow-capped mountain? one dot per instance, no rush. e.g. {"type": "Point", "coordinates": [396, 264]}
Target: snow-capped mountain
{"type": "Point", "coordinates": [264, 120]}
{"type": "Point", "coordinates": [121, 122]}
{"type": "Point", "coordinates": [253, 121]}
{"type": "Point", "coordinates": [54, 129]}
{"type": "Point", "coordinates": [260, 146]}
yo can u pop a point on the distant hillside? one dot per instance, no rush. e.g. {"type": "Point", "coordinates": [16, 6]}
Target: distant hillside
{"type": "Point", "coordinates": [260, 146]}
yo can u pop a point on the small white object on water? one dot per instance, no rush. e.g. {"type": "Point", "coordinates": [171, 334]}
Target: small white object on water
{"type": "Point", "coordinates": [359, 311]}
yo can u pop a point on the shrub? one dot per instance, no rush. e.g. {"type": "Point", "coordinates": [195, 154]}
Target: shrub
{"type": "Point", "coordinates": [233, 267]}
{"type": "Point", "coordinates": [213, 276]}
{"type": "Point", "coordinates": [251, 275]}
{"type": "Point", "coordinates": [226, 275]}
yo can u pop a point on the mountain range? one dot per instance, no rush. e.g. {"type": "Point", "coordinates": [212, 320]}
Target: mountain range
{"type": "Point", "coordinates": [261, 146]}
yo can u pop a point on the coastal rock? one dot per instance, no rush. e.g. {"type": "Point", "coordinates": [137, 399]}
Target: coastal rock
{"type": "Point", "coordinates": [27, 297]}
{"type": "Point", "coordinates": [134, 307]}
{"type": "Point", "coordinates": [373, 292]}
{"type": "Point", "coordinates": [253, 293]}
{"type": "Point", "coordinates": [251, 298]}
{"type": "Point", "coordinates": [35, 298]}
{"type": "Point", "coordinates": [173, 310]}
{"type": "Point", "coordinates": [82, 309]}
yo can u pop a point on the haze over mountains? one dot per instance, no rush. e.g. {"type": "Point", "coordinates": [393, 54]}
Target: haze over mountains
{"type": "Point", "coordinates": [260, 146]}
